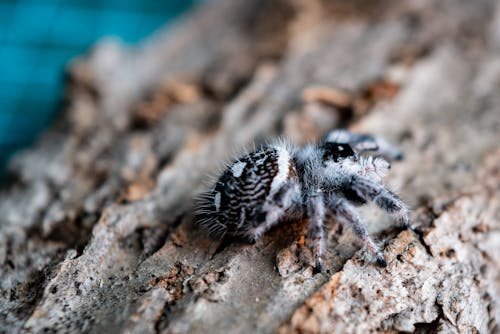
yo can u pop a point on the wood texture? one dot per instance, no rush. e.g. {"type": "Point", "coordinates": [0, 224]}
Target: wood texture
{"type": "Point", "coordinates": [95, 221]}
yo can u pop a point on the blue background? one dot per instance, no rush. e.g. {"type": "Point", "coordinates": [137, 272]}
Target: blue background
{"type": "Point", "coordinates": [37, 38]}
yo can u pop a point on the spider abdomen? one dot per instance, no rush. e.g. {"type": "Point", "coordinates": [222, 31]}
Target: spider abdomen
{"type": "Point", "coordinates": [234, 206]}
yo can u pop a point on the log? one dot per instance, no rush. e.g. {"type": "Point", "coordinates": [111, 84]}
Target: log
{"type": "Point", "coordinates": [96, 231]}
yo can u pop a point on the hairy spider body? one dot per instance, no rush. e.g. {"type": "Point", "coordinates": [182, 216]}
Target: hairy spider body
{"type": "Point", "coordinates": [280, 180]}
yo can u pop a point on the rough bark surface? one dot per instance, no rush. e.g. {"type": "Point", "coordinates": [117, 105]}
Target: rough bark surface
{"type": "Point", "coordinates": [96, 219]}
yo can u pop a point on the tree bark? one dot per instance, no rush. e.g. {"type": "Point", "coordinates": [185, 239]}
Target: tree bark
{"type": "Point", "coordinates": [96, 219]}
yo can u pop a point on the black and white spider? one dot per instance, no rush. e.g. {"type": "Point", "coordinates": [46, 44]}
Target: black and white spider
{"type": "Point", "coordinates": [277, 181]}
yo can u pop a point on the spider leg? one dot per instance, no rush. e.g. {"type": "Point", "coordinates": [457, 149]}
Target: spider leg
{"type": "Point", "coordinates": [361, 142]}
{"type": "Point", "coordinates": [345, 213]}
{"type": "Point", "coordinates": [367, 189]}
{"type": "Point", "coordinates": [365, 142]}
{"type": "Point", "coordinates": [388, 149]}
{"type": "Point", "coordinates": [276, 207]}
{"type": "Point", "coordinates": [316, 217]}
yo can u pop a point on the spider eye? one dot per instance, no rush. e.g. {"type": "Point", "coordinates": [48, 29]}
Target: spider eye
{"type": "Point", "coordinates": [337, 151]}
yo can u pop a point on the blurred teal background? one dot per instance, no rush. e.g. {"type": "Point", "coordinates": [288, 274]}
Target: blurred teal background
{"type": "Point", "coordinates": [37, 38]}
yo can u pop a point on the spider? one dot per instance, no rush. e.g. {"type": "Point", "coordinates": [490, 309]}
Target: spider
{"type": "Point", "coordinates": [279, 181]}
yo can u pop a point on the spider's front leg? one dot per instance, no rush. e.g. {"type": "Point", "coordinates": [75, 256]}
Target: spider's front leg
{"type": "Point", "coordinates": [365, 142]}
{"type": "Point", "coordinates": [346, 214]}
{"type": "Point", "coordinates": [369, 190]}
{"type": "Point", "coordinates": [316, 217]}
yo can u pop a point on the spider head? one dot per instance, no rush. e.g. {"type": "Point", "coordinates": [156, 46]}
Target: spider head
{"type": "Point", "coordinates": [337, 151]}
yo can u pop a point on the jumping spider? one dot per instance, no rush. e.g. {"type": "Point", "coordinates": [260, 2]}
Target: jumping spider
{"type": "Point", "coordinates": [279, 181]}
